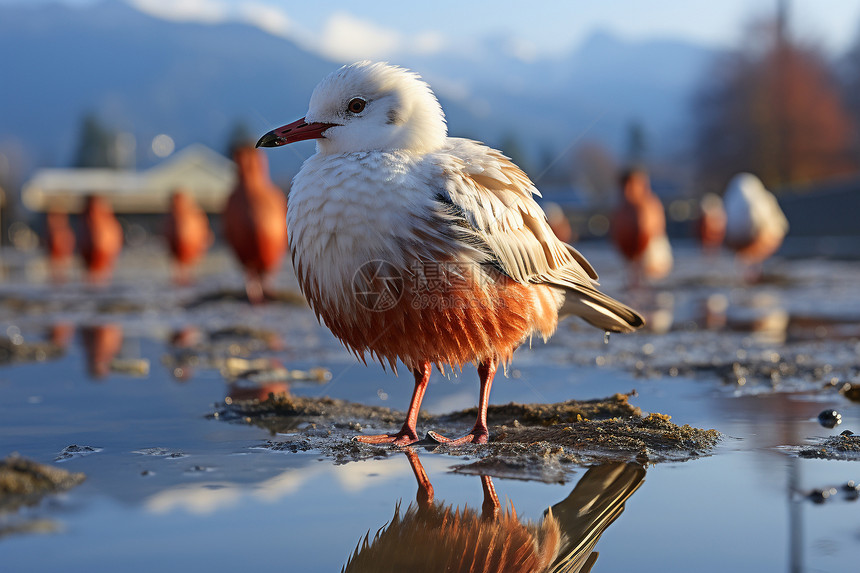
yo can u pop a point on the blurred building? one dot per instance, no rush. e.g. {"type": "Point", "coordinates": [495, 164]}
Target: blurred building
{"type": "Point", "coordinates": [205, 174]}
{"type": "Point", "coordinates": [823, 218]}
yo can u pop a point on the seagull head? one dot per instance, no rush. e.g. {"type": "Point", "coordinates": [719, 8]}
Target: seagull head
{"type": "Point", "coordinates": [368, 107]}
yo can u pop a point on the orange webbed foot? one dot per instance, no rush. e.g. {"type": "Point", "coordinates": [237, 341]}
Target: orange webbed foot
{"type": "Point", "coordinates": [476, 436]}
{"type": "Point", "coordinates": [401, 438]}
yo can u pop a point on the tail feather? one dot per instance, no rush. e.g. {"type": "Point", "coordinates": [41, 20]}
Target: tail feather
{"type": "Point", "coordinates": [596, 501]}
{"type": "Point", "coordinates": [600, 310]}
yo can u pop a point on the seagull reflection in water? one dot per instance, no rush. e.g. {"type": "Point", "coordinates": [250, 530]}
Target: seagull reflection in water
{"type": "Point", "coordinates": [434, 536]}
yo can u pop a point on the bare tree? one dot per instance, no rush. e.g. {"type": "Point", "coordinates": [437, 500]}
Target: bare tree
{"type": "Point", "coordinates": [96, 144]}
{"type": "Point", "coordinates": [594, 170]}
{"type": "Point", "coordinates": [772, 107]}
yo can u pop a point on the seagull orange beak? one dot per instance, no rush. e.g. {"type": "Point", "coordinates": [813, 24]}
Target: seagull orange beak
{"type": "Point", "coordinates": [299, 130]}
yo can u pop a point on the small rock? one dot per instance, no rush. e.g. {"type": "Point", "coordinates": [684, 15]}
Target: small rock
{"type": "Point", "coordinates": [821, 495]}
{"type": "Point", "coordinates": [829, 418]}
{"type": "Point", "coordinates": [74, 451]}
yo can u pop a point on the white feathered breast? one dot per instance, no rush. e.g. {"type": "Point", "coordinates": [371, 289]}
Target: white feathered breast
{"type": "Point", "coordinates": [346, 210]}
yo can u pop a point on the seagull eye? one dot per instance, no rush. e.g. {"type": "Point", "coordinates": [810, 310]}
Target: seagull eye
{"type": "Point", "coordinates": [356, 105]}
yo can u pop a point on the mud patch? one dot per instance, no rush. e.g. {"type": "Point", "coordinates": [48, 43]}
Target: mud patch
{"type": "Point", "coordinates": [15, 350]}
{"type": "Point", "coordinates": [288, 297]}
{"type": "Point", "coordinates": [649, 438]}
{"type": "Point", "coordinates": [76, 451]}
{"type": "Point", "coordinates": [547, 452]}
{"type": "Point", "coordinates": [285, 413]}
{"type": "Point", "coordinates": [528, 441]}
{"type": "Point", "coordinates": [161, 453]}
{"type": "Point", "coordinates": [235, 352]}
{"type": "Point", "coordinates": [843, 447]}
{"type": "Point", "coordinates": [552, 414]}
{"type": "Point", "coordinates": [25, 482]}
{"type": "Point", "coordinates": [742, 363]}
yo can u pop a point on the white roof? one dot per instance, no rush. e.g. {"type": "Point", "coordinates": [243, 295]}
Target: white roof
{"type": "Point", "coordinates": [204, 174]}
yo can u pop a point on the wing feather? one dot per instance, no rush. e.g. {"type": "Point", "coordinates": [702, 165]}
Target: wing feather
{"type": "Point", "coordinates": [497, 199]}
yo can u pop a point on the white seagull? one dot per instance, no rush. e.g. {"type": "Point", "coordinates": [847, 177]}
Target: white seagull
{"type": "Point", "coordinates": [414, 246]}
{"type": "Point", "coordinates": [755, 224]}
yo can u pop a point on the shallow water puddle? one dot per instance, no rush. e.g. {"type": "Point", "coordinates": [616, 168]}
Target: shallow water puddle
{"type": "Point", "coordinates": [168, 488]}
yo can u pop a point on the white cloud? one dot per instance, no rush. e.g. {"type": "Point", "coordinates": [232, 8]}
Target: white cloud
{"type": "Point", "coordinates": [451, 88]}
{"type": "Point", "coordinates": [269, 18]}
{"type": "Point", "coordinates": [346, 37]}
{"type": "Point", "coordinates": [185, 10]}
{"type": "Point", "coordinates": [427, 43]}
{"type": "Point", "coordinates": [209, 497]}
{"type": "Point", "coordinates": [522, 50]}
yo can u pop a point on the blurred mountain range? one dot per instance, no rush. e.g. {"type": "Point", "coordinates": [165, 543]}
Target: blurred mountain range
{"type": "Point", "coordinates": [197, 82]}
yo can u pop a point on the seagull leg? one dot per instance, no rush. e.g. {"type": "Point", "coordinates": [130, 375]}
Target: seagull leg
{"type": "Point", "coordinates": [480, 434]}
{"type": "Point", "coordinates": [424, 495]}
{"type": "Point", "coordinates": [407, 434]}
{"type": "Point", "coordinates": [491, 506]}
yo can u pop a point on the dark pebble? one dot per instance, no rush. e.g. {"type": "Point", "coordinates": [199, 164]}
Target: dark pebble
{"type": "Point", "coordinates": [821, 495]}
{"type": "Point", "coordinates": [846, 433]}
{"type": "Point", "coordinates": [829, 418]}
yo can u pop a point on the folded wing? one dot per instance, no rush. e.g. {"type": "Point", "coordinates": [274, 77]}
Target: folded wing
{"type": "Point", "coordinates": [495, 198]}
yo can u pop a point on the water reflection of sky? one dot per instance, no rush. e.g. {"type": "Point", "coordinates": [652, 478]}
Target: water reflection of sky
{"type": "Point", "coordinates": [222, 503]}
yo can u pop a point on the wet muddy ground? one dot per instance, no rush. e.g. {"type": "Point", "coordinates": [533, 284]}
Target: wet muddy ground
{"type": "Point", "coordinates": [530, 441]}
{"type": "Point", "coordinates": [216, 435]}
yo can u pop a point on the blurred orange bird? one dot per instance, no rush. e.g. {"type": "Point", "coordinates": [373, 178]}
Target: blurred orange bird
{"type": "Point", "coordinates": [639, 228]}
{"type": "Point", "coordinates": [61, 334]}
{"type": "Point", "coordinates": [255, 221]}
{"type": "Point", "coordinates": [60, 244]}
{"type": "Point", "coordinates": [101, 237]}
{"type": "Point", "coordinates": [188, 233]}
{"type": "Point", "coordinates": [436, 537]}
{"type": "Point", "coordinates": [711, 226]}
{"type": "Point", "coordinates": [102, 342]}
{"type": "Point", "coordinates": [60, 237]}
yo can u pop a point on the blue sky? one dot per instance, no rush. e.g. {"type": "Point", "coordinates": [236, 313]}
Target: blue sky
{"type": "Point", "coordinates": [542, 27]}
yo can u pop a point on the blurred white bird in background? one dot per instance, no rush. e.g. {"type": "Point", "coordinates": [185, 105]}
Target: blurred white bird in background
{"type": "Point", "coordinates": [755, 224]}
